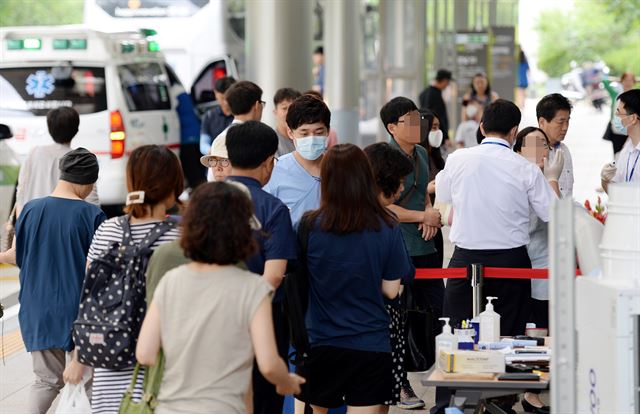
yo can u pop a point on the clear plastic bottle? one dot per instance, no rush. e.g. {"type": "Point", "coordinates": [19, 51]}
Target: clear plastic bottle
{"type": "Point", "coordinates": [445, 341]}
{"type": "Point", "coordinates": [489, 323]}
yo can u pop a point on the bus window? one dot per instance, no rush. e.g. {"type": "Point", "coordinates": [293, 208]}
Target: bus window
{"type": "Point", "coordinates": [144, 86]}
{"type": "Point", "coordinates": [37, 89]}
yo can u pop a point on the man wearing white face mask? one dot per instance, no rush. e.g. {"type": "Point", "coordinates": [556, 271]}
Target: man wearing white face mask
{"type": "Point", "coordinates": [296, 177]}
{"type": "Point", "coordinates": [466, 132]}
{"type": "Point", "coordinates": [627, 121]}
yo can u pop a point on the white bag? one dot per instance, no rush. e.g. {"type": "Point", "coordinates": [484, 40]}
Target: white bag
{"type": "Point", "coordinates": [74, 400]}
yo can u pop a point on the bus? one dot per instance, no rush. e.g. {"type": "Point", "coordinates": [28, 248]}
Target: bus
{"type": "Point", "coordinates": [191, 33]}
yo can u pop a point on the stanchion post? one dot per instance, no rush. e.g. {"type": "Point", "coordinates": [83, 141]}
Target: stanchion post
{"type": "Point", "coordinates": [475, 274]}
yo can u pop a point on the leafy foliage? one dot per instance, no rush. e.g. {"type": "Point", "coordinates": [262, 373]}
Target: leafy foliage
{"type": "Point", "coordinates": [40, 12]}
{"type": "Point", "coordinates": [593, 30]}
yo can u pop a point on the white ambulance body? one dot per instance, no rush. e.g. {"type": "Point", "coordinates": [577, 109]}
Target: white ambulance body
{"type": "Point", "coordinates": [117, 82]}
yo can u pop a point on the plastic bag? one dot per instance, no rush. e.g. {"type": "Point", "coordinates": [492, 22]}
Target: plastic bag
{"type": "Point", "coordinates": [74, 400]}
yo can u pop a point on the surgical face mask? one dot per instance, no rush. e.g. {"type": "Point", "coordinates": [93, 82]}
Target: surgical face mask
{"type": "Point", "coordinates": [311, 148]}
{"type": "Point", "coordinates": [435, 138]}
{"type": "Point", "coordinates": [617, 125]}
{"type": "Point", "coordinates": [471, 111]}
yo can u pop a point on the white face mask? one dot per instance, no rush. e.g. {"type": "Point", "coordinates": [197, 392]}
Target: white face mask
{"type": "Point", "coordinates": [435, 138]}
{"type": "Point", "coordinates": [471, 111]}
{"type": "Point", "coordinates": [312, 147]}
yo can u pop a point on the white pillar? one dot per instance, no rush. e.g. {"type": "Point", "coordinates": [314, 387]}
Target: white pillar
{"type": "Point", "coordinates": [342, 67]}
{"type": "Point", "coordinates": [278, 47]}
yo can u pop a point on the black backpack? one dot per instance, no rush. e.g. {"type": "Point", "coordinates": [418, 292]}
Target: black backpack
{"type": "Point", "coordinates": [113, 304]}
{"type": "Point", "coordinates": [296, 297]}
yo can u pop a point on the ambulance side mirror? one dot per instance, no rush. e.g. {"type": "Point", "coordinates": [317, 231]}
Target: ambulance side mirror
{"type": "Point", "coordinates": [5, 132]}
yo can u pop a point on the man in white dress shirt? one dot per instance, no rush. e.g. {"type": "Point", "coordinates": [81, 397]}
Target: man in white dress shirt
{"type": "Point", "coordinates": [553, 113]}
{"type": "Point", "coordinates": [491, 189]}
{"type": "Point", "coordinates": [627, 120]}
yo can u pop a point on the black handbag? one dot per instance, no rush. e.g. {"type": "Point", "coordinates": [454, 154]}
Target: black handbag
{"type": "Point", "coordinates": [420, 327]}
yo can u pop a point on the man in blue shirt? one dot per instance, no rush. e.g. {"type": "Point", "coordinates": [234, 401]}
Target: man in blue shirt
{"type": "Point", "coordinates": [296, 176]}
{"type": "Point", "coordinates": [53, 235]}
{"type": "Point", "coordinates": [217, 119]}
{"type": "Point", "coordinates": [251, 147]}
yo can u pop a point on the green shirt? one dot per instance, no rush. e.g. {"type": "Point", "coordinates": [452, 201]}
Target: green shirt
{"type": "Point", "coordinates": [166, 257]}
{"type": "Point", "coordinates": [414, 198]}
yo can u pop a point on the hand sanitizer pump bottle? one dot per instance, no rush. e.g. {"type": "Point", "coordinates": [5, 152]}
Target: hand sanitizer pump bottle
{"type": "Point", "coordinates": [489, 323]}
{"type": "Point", "coordinates": [445, 341]}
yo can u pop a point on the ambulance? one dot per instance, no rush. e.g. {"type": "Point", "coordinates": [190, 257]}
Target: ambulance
{"type": "Point", "coordinates": [119, 83]}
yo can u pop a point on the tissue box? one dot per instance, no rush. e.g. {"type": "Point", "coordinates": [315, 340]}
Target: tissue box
{"type": "Point", "coordinates": [472, 362]}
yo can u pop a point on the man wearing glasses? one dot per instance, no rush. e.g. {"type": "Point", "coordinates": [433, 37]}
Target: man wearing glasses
{"type": "Point", "coordinates": [245, 101]}
{"type": "Point", "coordinates": [627, 121]}
{"type": "Point", "coordinates": [419, 222]}
{"type": "Point", "coordinates": [553, 113]}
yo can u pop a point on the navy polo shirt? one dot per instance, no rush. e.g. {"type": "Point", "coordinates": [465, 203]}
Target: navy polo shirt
{"type": "Point", "coordinates": [276, 239]}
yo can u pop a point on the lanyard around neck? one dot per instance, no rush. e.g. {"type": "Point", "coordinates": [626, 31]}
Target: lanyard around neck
{"type": "Point", "coordinates": [633, 169]}
{"type": "Point", "coordinates": [496, 143]}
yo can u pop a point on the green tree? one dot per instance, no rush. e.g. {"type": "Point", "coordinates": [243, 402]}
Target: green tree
{"type": "Point", "coordinates": [40, 12]}
{"type": "Point", "coordinates": [594, 30]}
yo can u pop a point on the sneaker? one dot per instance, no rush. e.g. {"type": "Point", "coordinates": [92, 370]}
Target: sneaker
{"type": "Point", "coordinates": [409, 400]}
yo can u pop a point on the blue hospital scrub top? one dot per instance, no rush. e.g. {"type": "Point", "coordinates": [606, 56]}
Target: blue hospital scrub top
{"type": "Point", "coordinates": [291, 183]}
{"type": "Point", "coordinates": [346, 306]}
{"type": "Point", "coordinates": [53, 236]}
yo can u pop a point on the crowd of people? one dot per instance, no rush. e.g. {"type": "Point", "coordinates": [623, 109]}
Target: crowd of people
{"type": "Point", "coordinates": [200, 292]}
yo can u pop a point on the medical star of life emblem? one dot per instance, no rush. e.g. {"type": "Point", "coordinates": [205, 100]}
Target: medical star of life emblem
{"type": "Point", "coordinates": [40, 84]}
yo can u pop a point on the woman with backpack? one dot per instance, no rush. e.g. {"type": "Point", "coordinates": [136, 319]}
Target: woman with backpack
{"type": "Point", "coordinates": [209, 354]}
{"type": "Point", "coordinates": [355, 257]}
{"type": "Point", "coordinates": [154, 182]}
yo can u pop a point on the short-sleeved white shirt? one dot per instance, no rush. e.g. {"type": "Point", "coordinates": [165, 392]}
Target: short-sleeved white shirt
{"type": "Point", "coordinates": [628, 164]}
{"type": "Point", "coordinates": [492, 189]}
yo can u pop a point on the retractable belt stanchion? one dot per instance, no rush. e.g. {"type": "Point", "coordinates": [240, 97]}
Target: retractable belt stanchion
{"type": "Point", "coordinates": [475, 274]}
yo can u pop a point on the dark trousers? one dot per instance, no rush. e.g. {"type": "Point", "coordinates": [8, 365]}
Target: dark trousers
{"type": "Point", "coordinates": [426, 294]}
{"type": "Point", "coordinates": [540, 313]}
{"type": "Point", "coordinates": [194, 172]}
{"type": "Point", "coordinates": [513, 303]}
{"type": "Point", "coordinates": [514, 295]}
{"type": "Point", "coordinates": [265, 398]}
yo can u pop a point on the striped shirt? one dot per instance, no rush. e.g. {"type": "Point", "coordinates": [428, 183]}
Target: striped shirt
{"type": "Point", "coordinates": [109, 385]}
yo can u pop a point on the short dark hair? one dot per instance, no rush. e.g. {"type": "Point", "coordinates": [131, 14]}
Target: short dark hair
{"type": "Point", "coordinates": [631, 101]}
{"type": "Point", "coordinates": [63, 124]}
{"type": "Point", "coordinates": [389, 166]}
{"type": "Point", "coordinates": [241, 97]}
{"type": "Point", "coordinates": [215, 226]}
{"type": "Point", "coordinates": [443, 74]}
{"type": "Point", "coordinates": [224, 83]}
{"type": "Point", "coordinates": [517, 145]}
{"type": "Point", "coordinates": [479, 135]}
{"type": "Point", "coordinates": [549, 106]}
{"type": "Point", "coordinates": [308, 109]}
{"type": "Point", "coordinates": [318, 51]}
{"type": "Point", "coordinates": [285, 94]}
{"type": "Point", "coordinates": [394, 109]}
{"type": "Point", "coordinates": [500, 117]}
{"type": "Point", "coordinates": [250, 143]}
{"type": "Point", "coordinates": [348, 194]}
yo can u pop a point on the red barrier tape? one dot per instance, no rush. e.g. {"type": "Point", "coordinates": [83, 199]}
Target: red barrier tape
{"type": "Point", "coordinates": [488, 272]}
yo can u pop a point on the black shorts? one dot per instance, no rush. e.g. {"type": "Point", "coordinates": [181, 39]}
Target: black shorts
{"type": "Point", "coordinates": [339, 376]}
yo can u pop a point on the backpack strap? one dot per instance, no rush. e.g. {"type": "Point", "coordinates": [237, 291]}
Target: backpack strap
{"type": "Point", "coordinates": [126, 230]}
{"type": "Point", "coordinates": [156, 232]}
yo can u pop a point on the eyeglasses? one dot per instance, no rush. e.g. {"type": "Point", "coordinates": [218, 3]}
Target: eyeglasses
{"type": "Point", "coordinates": [213, 163]}
{"type": "Point", "coordinates": [621, 114]}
